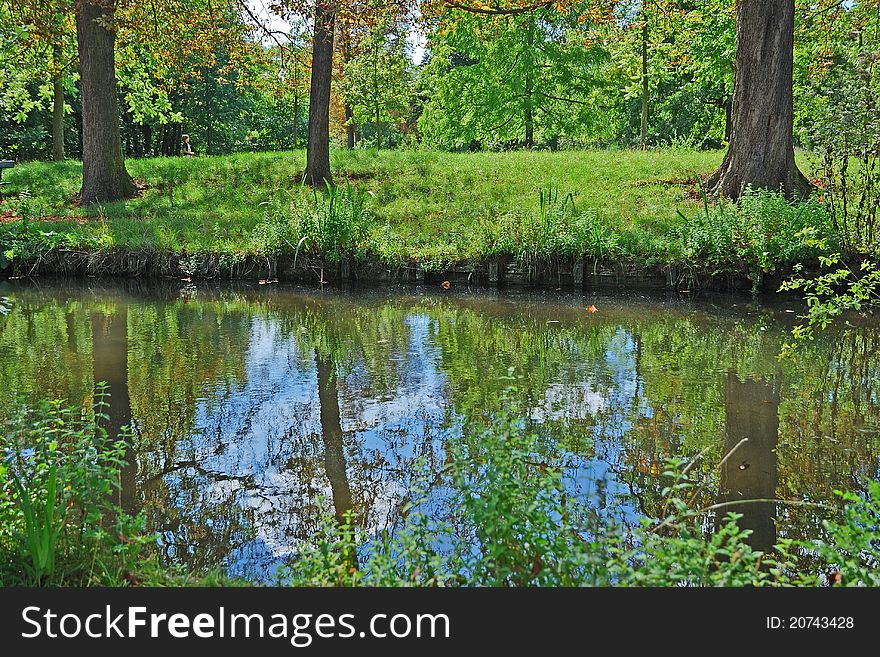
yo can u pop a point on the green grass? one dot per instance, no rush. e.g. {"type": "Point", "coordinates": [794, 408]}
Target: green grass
{"type": "Point", "coordinates": [424, 207]}
{"type": "Point", "coordinates": [422, 195]}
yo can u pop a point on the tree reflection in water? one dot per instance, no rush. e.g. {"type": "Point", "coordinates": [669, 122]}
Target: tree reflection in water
{"type": "Point", "coordinates": [251, 405]}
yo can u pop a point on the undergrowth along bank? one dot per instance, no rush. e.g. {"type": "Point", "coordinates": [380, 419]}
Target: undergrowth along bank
{"type": "Point", "coordinates": [412, 214]}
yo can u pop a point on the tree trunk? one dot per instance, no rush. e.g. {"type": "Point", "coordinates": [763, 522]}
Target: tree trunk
{"type": "Point", "coordinates": [147, 132]}
{"type": "Point", "coordinates": [57, 106]}
{"type": "Point", "coordinates": [528, 87]}
{"type": "Point", "coordinates": [296, 122]}
{"type": "Point", "coordinates": [104, 174]}
{"type": "Point", "coordinates": [318, 150]}
{"type": "Point", "coordinates": [643, 132]}
{"type": "Point", "coordinates": [761, 153]}
{"type": "Point", "coordinates": [728, 117]}
{"type": "Point", "coordinates": [350, 127]}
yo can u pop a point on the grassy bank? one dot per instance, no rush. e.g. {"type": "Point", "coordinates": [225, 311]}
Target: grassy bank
{"type": "Point", "coordinates": [406, 208]}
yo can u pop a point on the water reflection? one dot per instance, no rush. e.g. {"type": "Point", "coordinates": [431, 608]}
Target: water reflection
{"type": "Point", "coordinates": [110, 357]}
{"type": "Point", "coordinates": [331, 434]}
{"type": "Point", "coordinates": [750, 471]}
{"type": "Point", "coordinates": [250, 406]}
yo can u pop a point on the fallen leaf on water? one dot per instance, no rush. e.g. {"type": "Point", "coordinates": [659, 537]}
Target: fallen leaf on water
{"type": "Point", "coordinates": [446, 285]}
{"type": "Point", "coordinates": [592, 308]}
{"type": "Point", "coordinates": [537, 566]}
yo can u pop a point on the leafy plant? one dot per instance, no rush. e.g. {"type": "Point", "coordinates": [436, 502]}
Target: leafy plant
{"type": "Point", "coordinates": [60, 469]}
{"type": "Point", "coordinates": [43, 521]}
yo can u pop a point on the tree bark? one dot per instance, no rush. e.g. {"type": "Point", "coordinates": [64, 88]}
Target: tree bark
{"type": "Point", "coordinates": [57, 106]}
{"type": "Point", "coordinates": [104, 174]}
{"type": "Point", "coordinates": [318, 150]}
{"type": "Point", "coordinates": [761, 152]}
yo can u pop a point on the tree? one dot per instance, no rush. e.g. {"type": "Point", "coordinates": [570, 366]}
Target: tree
{"type": "Point", "coordinates": [49, 26]}
{"type": "Point", "coordinates": [761, 151]}
{"type": "Point", "coordinates": [512, 78]}
{"type": "Point", "coordinates": [104, 175]}
{"type": "Point", "coordinates": [317, 172]}
{"type": "Point", "coordinates": [378, 83]}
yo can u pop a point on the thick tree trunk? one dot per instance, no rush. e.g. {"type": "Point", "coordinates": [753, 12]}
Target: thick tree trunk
{"type": "Point", "coordinates": [751, 472]}
{"type": "Point", "coordinates": [761, 153]}
{"type": "Point", "coordinates": [57, 106]}
{"type": "Point", "coordinates": [104, 174]}
{"type": "Point", "coordinates": [318, 151]}
{"type": "Point", "coordinates": [728, 117]}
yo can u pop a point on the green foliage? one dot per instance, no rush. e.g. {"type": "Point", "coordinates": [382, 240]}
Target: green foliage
{"type": "Point", "coordinates": [43, 522]}
{"type": "Point", "coordinates": [759, 234]}
{"type": "Point", "coordinates": [852, 549]}
{"type": "Point", "coordinates": [331, 224]}
{"type": "Point", "coordinates": [512, 524]}
{"type": "Point", "coordinates": [421, 207]}
{"type": "Point", "coordinates": [837, 288]}
{"type": "Point", "coordinates": [57, 523]}
{"type": "Point", "coordinates": [378, 86]}
{"type": "Point", "coordinates": [557, 229]}
{"type": "Point", "coordinates": [504, 82]}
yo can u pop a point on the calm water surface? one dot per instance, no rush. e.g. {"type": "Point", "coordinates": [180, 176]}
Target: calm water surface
{"type": "Point", "coordinates": [257, 409]}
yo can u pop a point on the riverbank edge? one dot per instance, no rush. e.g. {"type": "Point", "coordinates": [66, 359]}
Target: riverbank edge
{"type": "Point", "coordinates": [490, 272]}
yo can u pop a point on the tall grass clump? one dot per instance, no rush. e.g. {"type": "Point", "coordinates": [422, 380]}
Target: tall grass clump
{"type": "Point", "coordinates": [557, 229]}
{"type": "Point", "coordinates": [330, 223]}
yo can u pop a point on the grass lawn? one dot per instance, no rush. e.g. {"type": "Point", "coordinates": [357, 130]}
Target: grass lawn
{"type": "Point", "coordinates": [427, 207]}
{"type": "Point", "coordinates": [195, 203]}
